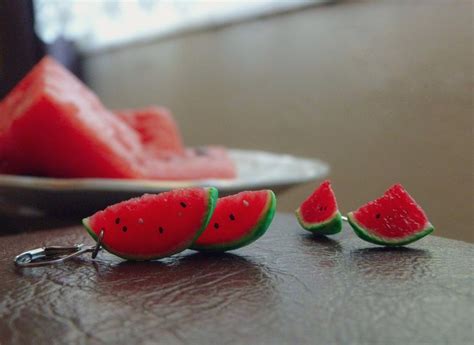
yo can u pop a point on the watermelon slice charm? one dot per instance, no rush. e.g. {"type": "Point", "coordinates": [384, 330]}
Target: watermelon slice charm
{"type": "Point", "coordinates": [153, 226]}
{"type": "Point", "coordinates": [394, 219]}
{"type": "Point", "coordinates": [319, 213]}
{"type": "Point", "coordinates": [238, 220]}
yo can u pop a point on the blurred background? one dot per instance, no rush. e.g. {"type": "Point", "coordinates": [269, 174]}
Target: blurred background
{"type": "Point", "coordinates": [381, 90]}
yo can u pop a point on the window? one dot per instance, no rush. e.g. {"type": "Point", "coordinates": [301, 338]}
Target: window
{"type": "Point", "coordinates": [100, 24]}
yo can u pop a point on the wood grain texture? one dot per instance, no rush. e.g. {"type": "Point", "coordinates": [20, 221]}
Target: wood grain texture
{"type": "Point", "coordinates": [286, 288]}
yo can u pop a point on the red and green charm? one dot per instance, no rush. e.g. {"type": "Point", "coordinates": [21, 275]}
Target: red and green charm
{"type": "Point", "coordinates": [238, 220]}
{"type": "Point", "coordinates": [319, 212]}
{"type": "Point", "coordinates": [394, 219]}
{"type": "Point", "coordinates": [155, 225]}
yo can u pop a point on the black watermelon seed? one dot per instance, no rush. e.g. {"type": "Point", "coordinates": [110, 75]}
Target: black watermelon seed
{"type": "Point", "coordinates": [124, 229]}
{"type": "Point", "coordinates": [117, 220]}
{"type": "Point", "coordinates": [183, 205]}
{"type": "Point", "coordinates": [216, 225]}
{"type": "Point", "coordinates": [377, 215]}
{"type": "Point", "coordinates": [161, 230]}
{"type": "Point", "coordinates": [232, 217]}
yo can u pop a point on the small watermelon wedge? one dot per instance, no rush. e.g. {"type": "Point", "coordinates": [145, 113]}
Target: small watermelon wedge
{"type": "Point", "coordinates": [319, 213]}
{"type": "Point", "coordinates": [238, 220]}
{"type": "Point", "coordinates": [394, 219]}
{"type": "Point", "coordinates": [154, 225]}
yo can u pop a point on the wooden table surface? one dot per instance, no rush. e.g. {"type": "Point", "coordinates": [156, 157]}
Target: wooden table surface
{"type": "Point", "coordinates": [287, 288]}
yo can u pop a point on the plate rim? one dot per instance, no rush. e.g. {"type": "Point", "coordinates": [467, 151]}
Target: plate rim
{"type": "Point", "coordinates": [320, 170]}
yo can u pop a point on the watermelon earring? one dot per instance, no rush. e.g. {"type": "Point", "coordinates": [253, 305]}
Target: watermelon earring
{"type": "Point", "coordinates": [394, 219]}
{"type": "Point", "coordinates": [146, 228]}
{"type": "Point", "coordinates": [238, 220]}
{"type": "Point", "coordinates": [319, 213]}
{"type": "Point", "coordinates": [159, 225]}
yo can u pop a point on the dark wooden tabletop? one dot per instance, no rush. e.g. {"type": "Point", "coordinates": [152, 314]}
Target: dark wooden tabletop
{"type": "Point", "coordinates": [287, 288]}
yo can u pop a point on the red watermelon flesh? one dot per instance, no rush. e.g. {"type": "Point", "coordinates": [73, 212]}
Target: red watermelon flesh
{"type": "Point", "coordinates": [202, 163]}
{"type": "Point", "coordinates": [51, 124]}
{"type": "Point", "coordinates": [319, 212]}
{"type": "Point", "coordinates": [319, 206]}
{"type": "Point", "coordinates": [161, 139]}
{"type": "Point", "coordinates": [393, 219]}
{"type": "Point", "coordinates": [238, 220]}
{"type": "Point", "coordinates": [156, 128]}
{"type": "Point", "coordinates": [154, 225]}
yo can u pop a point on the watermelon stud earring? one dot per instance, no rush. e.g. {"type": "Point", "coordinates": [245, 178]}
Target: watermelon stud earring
{"type": "Point", "coordinates": [319, 213]}
{"type": "Point", "coordinates": [394, 219]}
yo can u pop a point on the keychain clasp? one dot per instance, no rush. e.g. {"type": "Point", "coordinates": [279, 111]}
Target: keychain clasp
{"type": "Point", "coordinates": [50, 255]}
{"type": "Point", "coordinates": [56, 254]}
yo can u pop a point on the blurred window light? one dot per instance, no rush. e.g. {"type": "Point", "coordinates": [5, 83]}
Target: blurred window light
{"type": "Point", "coordinates": [94, 24]}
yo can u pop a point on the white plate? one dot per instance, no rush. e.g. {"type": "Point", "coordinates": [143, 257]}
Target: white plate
{"type": "Point", "coordinates": [255, 169]}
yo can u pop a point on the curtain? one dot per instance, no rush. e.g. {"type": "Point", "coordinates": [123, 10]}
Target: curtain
{"type": "Point", "coordinates": [20, 47]}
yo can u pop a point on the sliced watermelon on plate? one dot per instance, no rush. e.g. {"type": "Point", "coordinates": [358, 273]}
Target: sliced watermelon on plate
{"type": "Point", "coordinates": [319, 213]}
{"type": "Point", "coordinates": [53, 125]}
{"type": "Point", "coordinates": [154, 225]}
{"type": "Point", "coordinates": [394, 219]}
{"type": "Point", "coordinates": [157, 129]}
{"type": "Point", "coordinates": [238, 220]}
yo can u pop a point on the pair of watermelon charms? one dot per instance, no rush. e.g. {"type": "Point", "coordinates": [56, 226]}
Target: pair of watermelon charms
{"type": "Point", "coordinates": [154, 226]}
{"type": "Point", "coordinates": [394, 219]}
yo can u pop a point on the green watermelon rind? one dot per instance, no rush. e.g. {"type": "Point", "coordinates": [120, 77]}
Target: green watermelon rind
{"type": "Point", "coordinates": [365, 234]}
{"type": "Point", "coordinates": [213, 195]}
{"type": "Point", "coordinates": [256, 232]}
{"type": "Point", "coordinates": [331, 226]}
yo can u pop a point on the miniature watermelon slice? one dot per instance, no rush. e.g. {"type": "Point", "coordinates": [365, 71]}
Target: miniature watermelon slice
{"type": "Point", "coordinates": [394, 219]}
{"type": "Point", "coordinates": [238, 220]}
{"type": "Point", "coordinates": [319, 213]}
{"type": "Point", "coordinates": [154, 225]}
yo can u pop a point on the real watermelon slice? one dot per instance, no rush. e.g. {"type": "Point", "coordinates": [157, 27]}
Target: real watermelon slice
{"type": "Point", "coordinates": [319, 213]}
{"type": "Point", "coordinates": [154, 225]}
{"type": "Point", "coordinates": [238, 220]}
{"type": "Point", "coordinates": [53, 125]}
{"type": "Point", "coordinates": [193, 165]}
{"type": "Point", "coordinates": [156, 128]}
{"type": "Point", "coordinates": [395, 219]}
{"type": "Point", "coordinates": [161, 139]}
